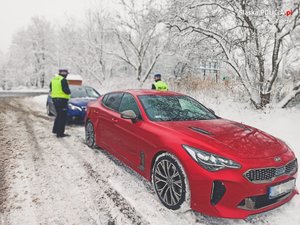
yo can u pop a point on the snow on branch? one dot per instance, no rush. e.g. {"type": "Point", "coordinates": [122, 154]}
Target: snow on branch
{"type": "Point", "coordinates": [288, 98]}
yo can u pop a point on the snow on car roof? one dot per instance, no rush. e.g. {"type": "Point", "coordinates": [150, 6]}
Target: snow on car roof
{"type": "Point", "coordinates": [74, 77]}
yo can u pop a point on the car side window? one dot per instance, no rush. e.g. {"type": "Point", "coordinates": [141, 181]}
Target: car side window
{"type": "Point", "coordinates": [113, 101]}
{"type": "Point", "coordinates": [92, 93]}
{"type": "Point", "coordinates": [104, 99]}
{"type": "Point", "coordinates": [128, 103]}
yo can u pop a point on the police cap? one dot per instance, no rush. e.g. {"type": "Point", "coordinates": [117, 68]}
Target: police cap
{"type": "Point", "coordinates": [63, 72]}
{"type": "Point", "coordinates": [157, 75]}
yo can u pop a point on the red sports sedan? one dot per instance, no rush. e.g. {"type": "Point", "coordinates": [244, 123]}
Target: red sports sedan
{"type": "Point", "coordinates": [220, 167]}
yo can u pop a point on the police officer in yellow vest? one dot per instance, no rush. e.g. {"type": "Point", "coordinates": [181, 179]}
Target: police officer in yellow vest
{"type": "Point", "coordinates": [60, 94]}
{"type": "Point", "coordinates": [159, 85]}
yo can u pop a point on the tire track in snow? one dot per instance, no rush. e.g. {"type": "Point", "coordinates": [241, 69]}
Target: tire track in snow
{"type": "Point", "coordinates": [120, 202]}
{"type": "Point", "coordinates": [108, 193]}
{"type": "Point", "coordinates": [5, 154]}
{"type": "Point", "coordinates": [28, 117]}
{"type": "Point", "coordinates": [105, 192]}
{"type": "Point", "coordinates": [14, 125]}
{"type": "Point", "coordinates": [38, 176]}
{"type": "Point", "coordinates": [17, 106]}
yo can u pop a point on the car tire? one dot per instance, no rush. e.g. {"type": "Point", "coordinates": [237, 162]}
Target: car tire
{"type": "Point", "coordinates": [90, 134]}
{"type": "Point", "coordinates": [49, 113]}
{"type": "Point", "coordinates": [169, 181]}
{"type": "Point", "coordinates": [69, 121]}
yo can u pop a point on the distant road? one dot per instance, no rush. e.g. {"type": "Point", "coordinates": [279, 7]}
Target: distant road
{"type": "Point", "coordinates": [22, 93]}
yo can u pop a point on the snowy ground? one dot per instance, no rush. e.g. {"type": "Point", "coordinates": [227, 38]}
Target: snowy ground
{"type": "Point", "coordinates": [44, 180]}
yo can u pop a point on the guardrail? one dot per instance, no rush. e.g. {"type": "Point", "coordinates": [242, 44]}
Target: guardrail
{"type": "Point", "coordinates": [22, 93]}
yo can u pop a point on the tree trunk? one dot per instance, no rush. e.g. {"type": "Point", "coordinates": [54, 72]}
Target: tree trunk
{"type": "Point", "coordinates": [139, 72]}
{"type": "Point", "coordinates": [42, 81]}
{"type": "Point", "coordinates": [264, 99]}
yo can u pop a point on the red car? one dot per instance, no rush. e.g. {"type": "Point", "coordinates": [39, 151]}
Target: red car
{"type": "Point", "coordinates": [220, 167]}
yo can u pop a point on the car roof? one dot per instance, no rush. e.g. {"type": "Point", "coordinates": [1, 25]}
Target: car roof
{"type": "Point", "coordinates": [148, 92]}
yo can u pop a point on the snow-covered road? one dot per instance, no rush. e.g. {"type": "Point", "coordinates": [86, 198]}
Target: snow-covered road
{"type": "Point", "coordinates": [45, 180]}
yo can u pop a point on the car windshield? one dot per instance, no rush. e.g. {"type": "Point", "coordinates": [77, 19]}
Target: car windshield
{"type": "Point", "coordinates": [174, 108]}
{"type": "Point", "coordinates": [83, 92]}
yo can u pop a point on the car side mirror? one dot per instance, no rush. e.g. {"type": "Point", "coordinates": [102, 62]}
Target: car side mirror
{"type": "Point", "coordinates": [128, 114]}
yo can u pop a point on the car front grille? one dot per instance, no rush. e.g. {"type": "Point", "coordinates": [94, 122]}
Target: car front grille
{"type": "Point", "coordinates": [265, 175]}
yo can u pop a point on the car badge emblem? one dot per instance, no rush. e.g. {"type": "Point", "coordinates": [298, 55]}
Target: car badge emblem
{"type": "Point", "coordinates": [277, 159]}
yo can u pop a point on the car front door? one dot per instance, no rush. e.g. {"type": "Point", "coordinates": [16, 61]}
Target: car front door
{"type": "Point", "coordinates": [131, 134]}
{"type": "Point", "coordinates": [108, 116]}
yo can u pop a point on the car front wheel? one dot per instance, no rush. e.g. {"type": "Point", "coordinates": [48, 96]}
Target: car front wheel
{"type": "Point", "coordinates": [90, 134]}
{"type": "Point", "coordinates": [169, 181]}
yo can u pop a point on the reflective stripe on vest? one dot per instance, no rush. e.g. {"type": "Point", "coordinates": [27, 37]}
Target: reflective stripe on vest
{"type": "Point", "coordinates": [56, 88]}
{"type": "Point", "coordinates": [161, 86]}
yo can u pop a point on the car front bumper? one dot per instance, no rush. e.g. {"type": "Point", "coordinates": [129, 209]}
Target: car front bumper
{"type": "Point", "coordinates": [229, 194]}
{"type": "Point", "coordinates": [76, 115]}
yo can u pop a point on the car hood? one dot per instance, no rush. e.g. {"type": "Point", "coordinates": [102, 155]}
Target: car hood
{"type": "Point", "coordinates": [240, 140]}
{"type": "Point", "coordinates": [81, 101]}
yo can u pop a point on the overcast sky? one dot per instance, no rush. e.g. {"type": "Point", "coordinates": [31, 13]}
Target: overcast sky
{"type": "Point", "coordinates": [16, 14]}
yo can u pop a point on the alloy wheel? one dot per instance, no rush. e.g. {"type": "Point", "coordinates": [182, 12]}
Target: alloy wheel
{"type": "Point", "coordinates": [89, 135]}
{"type": "Point", "coordinates": [169, 182]}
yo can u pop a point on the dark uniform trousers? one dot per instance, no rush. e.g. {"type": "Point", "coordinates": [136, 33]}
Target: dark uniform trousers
{"type": "Point", "coordinates": [61, 107]}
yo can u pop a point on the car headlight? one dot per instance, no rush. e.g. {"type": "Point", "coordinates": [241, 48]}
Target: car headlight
{"type": "Point", "coordinates": [74, 107]}
{"type": "Point", "coordinates": [209, 161]}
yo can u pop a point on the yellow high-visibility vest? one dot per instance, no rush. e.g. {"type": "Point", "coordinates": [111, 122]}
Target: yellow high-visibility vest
{"type": "Point", "coordinates": [56, 88]}
{"type": "Point", "coordinates": [161, 86]}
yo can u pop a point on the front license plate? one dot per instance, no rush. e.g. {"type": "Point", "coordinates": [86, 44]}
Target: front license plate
{"type": "Point", "coordinates": [281, 189]}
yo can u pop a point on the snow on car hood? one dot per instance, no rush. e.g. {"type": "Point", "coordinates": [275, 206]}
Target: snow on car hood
{"type": "Point", "coordinates": [243, 141]}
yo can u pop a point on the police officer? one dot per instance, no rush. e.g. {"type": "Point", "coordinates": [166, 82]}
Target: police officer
{"type": "Point", "coordinates": [60, 94]}
{"type": "Point", "coordinates": [159, 85]}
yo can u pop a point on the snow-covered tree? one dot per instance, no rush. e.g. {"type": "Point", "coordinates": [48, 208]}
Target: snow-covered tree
{"type": "Point", "coordinates": [291, 71]}
{"type": "Point", "coordinates": [83, 46]}
{"type": "Point", "coordinates": [32, 53]}
{"type": "Point", "coordinates": [249, 33]}
{"type": "Point", "coordinates": [3, 72]}
{"type": "Point", "coordinates": [142, 37]}
{"type": "Point", "coordinates": [71, 48]}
